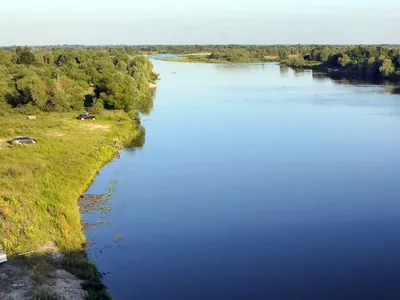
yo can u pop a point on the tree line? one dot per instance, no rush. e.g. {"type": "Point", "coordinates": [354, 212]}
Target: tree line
{"type": "Point", "coordinates": [73, 78]}
{"type": "Point", "coordinates": [353, 61]}
{"type": "Point", "coordinates": [368, 62]}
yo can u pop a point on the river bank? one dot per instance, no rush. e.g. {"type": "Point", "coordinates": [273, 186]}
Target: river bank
{"type": "Point", "coordinates": [39, 187]}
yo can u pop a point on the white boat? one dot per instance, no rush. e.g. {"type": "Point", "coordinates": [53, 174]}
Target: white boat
{"type": "Point", "coordinates": [3, 256]}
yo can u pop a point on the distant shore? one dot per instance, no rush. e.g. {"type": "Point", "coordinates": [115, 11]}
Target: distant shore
{"type": "Point", "coordinates": [197, 58]}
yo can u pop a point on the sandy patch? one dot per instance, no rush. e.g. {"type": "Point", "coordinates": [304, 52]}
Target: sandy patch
{"type": "Point", "coordinates": [57, 134]}
{"type": "Point", "coordinates": [152, 85]}
{"type": "Point", "coordinates": [92, 126]}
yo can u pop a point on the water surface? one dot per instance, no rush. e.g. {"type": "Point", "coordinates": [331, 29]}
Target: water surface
{"type": "Point", "coordinates": [256, 182]}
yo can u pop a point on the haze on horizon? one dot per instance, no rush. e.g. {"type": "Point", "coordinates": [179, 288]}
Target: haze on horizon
{"type": "Point", "coordinates": [91, 22]}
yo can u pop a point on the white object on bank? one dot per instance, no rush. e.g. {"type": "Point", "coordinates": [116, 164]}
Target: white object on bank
{"type": "Point", "coordinates": [3, 256]}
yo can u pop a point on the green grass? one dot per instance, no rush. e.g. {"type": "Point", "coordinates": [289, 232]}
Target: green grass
{"type": "Point", "coordinates": [40, 183]}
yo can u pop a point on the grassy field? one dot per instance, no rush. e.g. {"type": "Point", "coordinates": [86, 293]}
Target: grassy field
{"type": "Point", "coordinates": [40, 183]}
{"type": "Point", "coordinates": [271, 58]}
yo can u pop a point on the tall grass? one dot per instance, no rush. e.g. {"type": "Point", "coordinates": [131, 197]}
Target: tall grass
{"type": "Point", "coordinates": [40, 183]}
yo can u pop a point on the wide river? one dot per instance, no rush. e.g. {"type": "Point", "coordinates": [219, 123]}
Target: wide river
{"type": "Point", "coordinates": [256, 182]}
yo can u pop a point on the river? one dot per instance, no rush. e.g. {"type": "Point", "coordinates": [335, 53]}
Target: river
{"type": "Point", "coordinates": [255, 182]}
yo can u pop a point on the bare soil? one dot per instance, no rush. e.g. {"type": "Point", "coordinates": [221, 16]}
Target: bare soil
{"type": "Point", "coordinates": [21, 279]}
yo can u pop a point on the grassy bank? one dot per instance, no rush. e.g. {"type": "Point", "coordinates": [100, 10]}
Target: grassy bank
{"type": "Point", "coordinates": [40, 183]}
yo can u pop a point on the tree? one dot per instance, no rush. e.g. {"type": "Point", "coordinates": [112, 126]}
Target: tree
{"type": "Point", "coordinates": [298, 62]}
{"type": "Point", "coordinates": [283, 53]}
{"type": "Point", "coordinates": [5, 57]}
{"type": "Point", "coordinates": [372, 68]}
{"type": "Point", "coordinates": [387, 68]}
{"type": "Point", "coordinates": [25, 56]}
{"type": "Point", "coordinates": [344, 60]}
{"type": "Point", "coordinates": [316, 54]}
{"type": "Point", "coordinates": [325, 53]}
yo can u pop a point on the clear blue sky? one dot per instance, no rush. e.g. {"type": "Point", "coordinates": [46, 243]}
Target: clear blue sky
{"type": "Point", "coordinates": [49, 22]}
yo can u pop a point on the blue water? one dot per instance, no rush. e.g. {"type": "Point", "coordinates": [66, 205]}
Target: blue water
{"type": "Point", "coordinates": [256, 182]}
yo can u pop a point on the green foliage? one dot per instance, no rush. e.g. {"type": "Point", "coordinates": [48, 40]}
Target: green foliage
{"type": "Point", "coordinates": [372, 68]}
{"type": "Point", "coordinates": [64, 79]}
{"type": "Point", "coordinates": [344, 60]}
{"type": "Point", "coordinates": [283, 52]}
{"type": "Point", "coordinates": [5, 58]}
{"type": "Point", "coordinates": [25, 56]}
{"type": "Point", "coordinates": [371, 62]}
{"type": "Point", "coordinates": [298, 62]}
{"type": "Point", "coordinates": [387, 68]}
{"type": "Point", "coordinates": [235, 55]}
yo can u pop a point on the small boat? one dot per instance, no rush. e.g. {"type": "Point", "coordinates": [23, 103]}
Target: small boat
{"type": "Point", "coordinates": [3, 256]}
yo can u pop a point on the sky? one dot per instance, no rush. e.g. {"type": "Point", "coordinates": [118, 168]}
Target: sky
{"type": "Point", "coordinates": [130, 22]}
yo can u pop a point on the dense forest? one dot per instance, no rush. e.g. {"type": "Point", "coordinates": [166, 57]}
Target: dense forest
{"type": "Point", "coordinates": [73, 78]}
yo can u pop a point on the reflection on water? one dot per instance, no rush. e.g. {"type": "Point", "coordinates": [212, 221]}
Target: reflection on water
{"type": "Point", "coordinates": [138, 142]}
{"type": "Point", "coordinates": [256, 183]}
{"type": "Point", "coordinates": [363, 85]}
{"type": "Point", "coordinates": [301, 72]}
{"type": "Point", "coordinates": [394, 90]}
{"type": "Point", "coordinates": [146, 103]}
{"type": "Point", "coordinates": [284, 70]}
{"type": "Point", "coordinates": [321, 77]}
